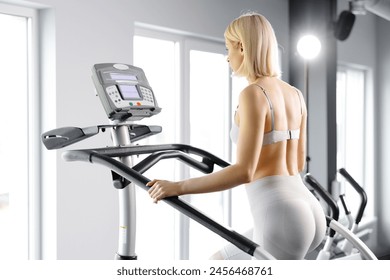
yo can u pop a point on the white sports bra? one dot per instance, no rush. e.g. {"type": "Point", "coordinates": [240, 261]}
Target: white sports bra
{"type": "Point", "coordinates": [272, 136]}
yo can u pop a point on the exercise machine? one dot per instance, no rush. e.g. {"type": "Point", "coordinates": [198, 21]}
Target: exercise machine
{"type": "Point", "coordinates": [353, 222]}
{"type": "Point", "coordinates": [126, 97]}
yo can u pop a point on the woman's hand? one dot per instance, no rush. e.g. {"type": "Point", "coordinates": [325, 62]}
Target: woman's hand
{"type": "Point", "coordinates": [160, 189]}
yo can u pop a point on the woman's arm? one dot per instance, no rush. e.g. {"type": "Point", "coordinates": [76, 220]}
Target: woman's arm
{"type": "Point", "coordinates": [251, 121]}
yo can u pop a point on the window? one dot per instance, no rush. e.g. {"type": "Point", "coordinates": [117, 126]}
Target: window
{"type": "Point", "coordinates": [209, 101]}
{"type": "Point", "coordinates": [191, 95]}
{"type": "Point", "coordinates": [355, 133]}
{"type": "Point", "coordinates": [157, 223]}
{"type": "Point", "coordinates": [17, 153]}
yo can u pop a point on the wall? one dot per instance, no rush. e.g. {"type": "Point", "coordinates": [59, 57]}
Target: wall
{"type": "Point", "coordinates": [383, 134]}
{"type": "Point", "coordinates": [84, 217]}
{"type": "Point", "coordinates": [359, 47]}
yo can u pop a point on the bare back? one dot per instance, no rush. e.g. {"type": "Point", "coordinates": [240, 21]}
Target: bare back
{"type": "Point", "coordinates": [284, 157]}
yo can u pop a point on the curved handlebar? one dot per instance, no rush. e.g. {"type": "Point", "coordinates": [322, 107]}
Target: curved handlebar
{"type": "Point", "coordinates": [159, 152]}
{"type": "Point", "coordinates": [147, 149]}
{"type": "Point", "coordinates": [103, 157]}
{"type": "Point", "coordinates": [132, 175]}
{"type": "Point", "coordinates": [206, 166]}
{"type": "Point", "coordinates": [359, 190]}
{"type": "Point", "coordinates": [365, 252]}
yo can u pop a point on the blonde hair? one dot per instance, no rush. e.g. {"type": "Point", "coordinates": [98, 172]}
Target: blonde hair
{"type": "Point", "coordinates": [259, 45]}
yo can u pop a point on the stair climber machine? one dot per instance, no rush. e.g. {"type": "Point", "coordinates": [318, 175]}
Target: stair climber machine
{"type": "Point", "coordinates": [127, 97]}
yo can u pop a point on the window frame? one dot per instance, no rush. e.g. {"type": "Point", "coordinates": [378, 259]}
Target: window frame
{"type": "Point", "coordinates": [33, 196]}
{"type": "Point", "coordinates": [368, 167]}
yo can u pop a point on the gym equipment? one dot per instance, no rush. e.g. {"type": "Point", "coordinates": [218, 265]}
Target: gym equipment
{"type": "Point", "coordinates": [127, 96]}
{"type": "Point", "coordinates": [330, 249]}
{"type": "Point", "coordinates": [345, 246]}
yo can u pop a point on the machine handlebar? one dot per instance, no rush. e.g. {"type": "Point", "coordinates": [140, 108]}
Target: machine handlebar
{"type": "Point", "coordinates": [359, 190]}
{"type": "Point", "coordinates": [134, 176]}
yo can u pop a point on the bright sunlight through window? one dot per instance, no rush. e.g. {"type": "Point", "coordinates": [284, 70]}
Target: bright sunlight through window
{"type": "Point", "coordinates": [14, 138]}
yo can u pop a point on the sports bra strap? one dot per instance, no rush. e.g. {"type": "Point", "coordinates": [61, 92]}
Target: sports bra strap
{"type": "Point", "coordinates": [270, 106]}
{"type": "Point", "coordinates": [300, 100]}
{"type": "Point", "coordinates": [275, 136]}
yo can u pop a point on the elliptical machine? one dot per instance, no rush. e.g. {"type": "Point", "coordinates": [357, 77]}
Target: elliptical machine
{"type": "Point", "coordinates": [126, 97]}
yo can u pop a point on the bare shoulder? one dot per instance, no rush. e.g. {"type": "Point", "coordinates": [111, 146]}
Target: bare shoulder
{"type": "Point", "coordinates": [253, 95]}
{"type": "Point", "coordinates": [292, 92]}
{"type": "Point", "coordinates": [287, 87]}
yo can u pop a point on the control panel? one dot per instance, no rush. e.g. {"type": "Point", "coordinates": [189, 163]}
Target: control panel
{"type": "Point", "coordinates": [124, 91]}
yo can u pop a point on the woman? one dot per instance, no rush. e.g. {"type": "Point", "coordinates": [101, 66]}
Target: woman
{"type": "Point", "coordinates": [270, 131]}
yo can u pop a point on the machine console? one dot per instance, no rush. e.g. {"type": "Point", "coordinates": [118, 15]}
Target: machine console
{"type": "Point", "coordinates": [124, 92]}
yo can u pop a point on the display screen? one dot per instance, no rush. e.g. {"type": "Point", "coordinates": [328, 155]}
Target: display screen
{"type": "Point", "coordinates": [124, 77]}
{"type": "Point", "coordinates": [129, 92]}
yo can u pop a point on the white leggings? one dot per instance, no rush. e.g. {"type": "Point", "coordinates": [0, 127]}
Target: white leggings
{"type": "Point", "coordinates": [288, 220]}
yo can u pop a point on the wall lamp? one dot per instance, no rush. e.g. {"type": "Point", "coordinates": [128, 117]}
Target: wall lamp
{"type": "Point", "coordinates": [309, 46]}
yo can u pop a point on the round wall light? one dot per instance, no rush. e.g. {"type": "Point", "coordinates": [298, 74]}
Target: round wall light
{"type": "Point", "coordinates": [309, 46]}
